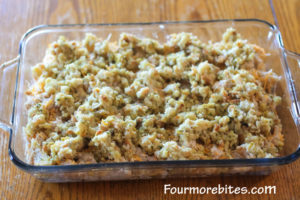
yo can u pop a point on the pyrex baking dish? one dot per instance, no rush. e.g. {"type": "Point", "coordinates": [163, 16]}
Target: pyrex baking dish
{"type": "Point", "coordinates": [31, 51]}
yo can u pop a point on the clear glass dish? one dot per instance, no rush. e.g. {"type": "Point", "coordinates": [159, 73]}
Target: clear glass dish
{"type": "Point", "coordinates": [32, 48]}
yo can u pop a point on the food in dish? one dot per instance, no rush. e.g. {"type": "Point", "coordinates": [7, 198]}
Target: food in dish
{"type": "Point", "coordinates": [137, 99]}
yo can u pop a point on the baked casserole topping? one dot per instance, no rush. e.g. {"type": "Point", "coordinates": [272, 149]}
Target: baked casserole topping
{"type": "Point", "coordinates": [137, 99]}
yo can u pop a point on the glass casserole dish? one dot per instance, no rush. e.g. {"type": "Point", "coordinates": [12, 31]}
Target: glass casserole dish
{"type": "Point", "coordinates": [32, 47]}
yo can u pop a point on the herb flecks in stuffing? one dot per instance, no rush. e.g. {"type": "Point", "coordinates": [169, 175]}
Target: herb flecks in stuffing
{"type": "Point", "coordinates": [137, 100]}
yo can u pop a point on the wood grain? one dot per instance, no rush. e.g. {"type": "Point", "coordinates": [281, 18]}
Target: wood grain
{"type": "Point", "coordinates": [288, 18]}
{"type": "Point", "coordinates": [17, 16]}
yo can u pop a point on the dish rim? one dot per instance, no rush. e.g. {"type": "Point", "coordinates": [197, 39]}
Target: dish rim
{"type": "Point", "coordinates": [261, 162]}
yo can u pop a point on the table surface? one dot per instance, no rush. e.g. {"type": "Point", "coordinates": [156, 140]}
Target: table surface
{"type": "Point", "coordinates": [17, 16]}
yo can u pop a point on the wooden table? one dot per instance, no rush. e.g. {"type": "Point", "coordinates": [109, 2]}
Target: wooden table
{"type": "Point", "coordinates": [16, 16]}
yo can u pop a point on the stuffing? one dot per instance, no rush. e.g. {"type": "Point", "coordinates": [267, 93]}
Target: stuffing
{"type": "Point", "coordinates": [137, 99]}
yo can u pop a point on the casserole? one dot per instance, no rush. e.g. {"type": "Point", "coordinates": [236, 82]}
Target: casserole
{"type": "Point", "coordinates": [35, 41]}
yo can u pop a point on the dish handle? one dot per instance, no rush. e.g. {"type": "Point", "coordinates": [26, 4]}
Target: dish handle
{"type": "Point", "coordinates": [8, 72]}
{"type": "Point", "coordinates": [293, 61]}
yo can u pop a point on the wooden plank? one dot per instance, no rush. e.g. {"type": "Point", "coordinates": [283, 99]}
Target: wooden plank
{"type": "Point", "coordinates": [288, 16]}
